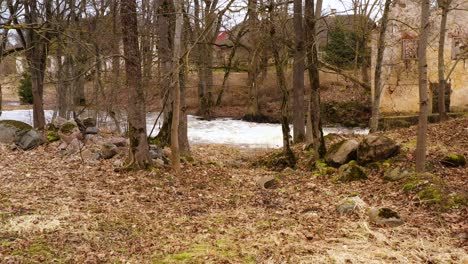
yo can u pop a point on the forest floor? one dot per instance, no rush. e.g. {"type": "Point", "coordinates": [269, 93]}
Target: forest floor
{"type": "Point", "coordinates": [57, 209]}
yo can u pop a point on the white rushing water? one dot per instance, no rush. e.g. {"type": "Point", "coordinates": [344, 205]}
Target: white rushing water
{"type": "Point", "coordinates": [217, 131]}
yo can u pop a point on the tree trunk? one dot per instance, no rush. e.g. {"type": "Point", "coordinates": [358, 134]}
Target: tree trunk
{"type": "Point", "coordinates": [138, 152]}
{"type": "Point", "coordinates": [184, 145]}
{"type": "Point", "coordinates": [421, 143]}
{"type": "Point", "coordinates": [440, 59]}
{"type": "Point", "coordinates": [61, 85]}
{"type": "Point", "coordinates": [378, 69]}
{"type": "Point", "coordinates": [37, 63]}
{"type": "Point", "coordinates": [175, 151]}
{"type": "Point", "coordinates": [298, 75]}
{"type": "Point", "coordinates": [312, 57]}
{"type": "Point", "coordinates": [281, 80]}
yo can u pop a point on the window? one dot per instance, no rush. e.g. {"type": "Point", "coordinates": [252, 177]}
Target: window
{"type": "Point", "coordinates": [459, 48]}
{"type": "Point", "coordinates": [409, 49]}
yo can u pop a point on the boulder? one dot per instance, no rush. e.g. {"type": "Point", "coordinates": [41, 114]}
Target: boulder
{"type": "Point", "coordinates": [396, 174]}
{"type": "Point", "coordinates": [454, 160]}
{"type": "Point", "coordinates": [89, 155]}
{"type": "Point", "coordinates": [70, 137]}
{"type": "Point", "coordinates": [376, 147]}
{"type": "Point", "coordinates": [342, 152]}
{"type": "Point", "coordinates": [108, 151]}
{"type": "Point", "coordinates": [384, 216]}
{"type": "Point", "coordinates": [30, 140]}
{"type": "Point", "coordinates": [266, 182]}
{"type": "Point", "coordinates": [10, 130]}
{"type": "Point", "coordinates": [351, 204]}
{"type": "Point", "coordinates": [92, 130]}
{"type": "Point", "coordinates": [350, 172]}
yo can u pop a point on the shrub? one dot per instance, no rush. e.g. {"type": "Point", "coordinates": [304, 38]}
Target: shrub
{"type": "Point", "coordinates": [25, 89]}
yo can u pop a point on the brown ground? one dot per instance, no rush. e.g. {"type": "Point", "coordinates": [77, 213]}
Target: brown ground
{"type": "Point", "coordinates": [59, 210]}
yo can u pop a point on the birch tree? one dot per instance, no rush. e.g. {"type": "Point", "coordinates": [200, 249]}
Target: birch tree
{"type": "Point", "coordinates": [421, 143]}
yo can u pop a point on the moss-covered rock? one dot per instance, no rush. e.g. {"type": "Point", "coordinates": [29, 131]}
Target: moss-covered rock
{"type": "Point", "coordinates": [454, 160]}
{"type": "Point", "coordinates": [52, 136]}
{"type": "Point", "coordinates": [350, 204]}
{"type": "Point", "coordinates": [68, 128]}
{"type": "Point", "coordinates": [322, 169]}
{"type": "Point", "coordinates": [431, 194]}
{"type": "Point", "coordinates": [350, 172]}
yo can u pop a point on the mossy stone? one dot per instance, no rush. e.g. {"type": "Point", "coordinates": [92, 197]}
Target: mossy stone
{"type": "Point", "coordinates": [52, 136]}
{"type": "Point", "coordinates": [16, 124]}
{"type": "Point", "coordinates": [454, 160]}
{"type": "Point", "coordinates": [67, 128]}
{"type": "Point", "coordinates": [350, 172]}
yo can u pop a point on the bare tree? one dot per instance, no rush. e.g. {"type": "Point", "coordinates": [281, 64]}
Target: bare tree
{"type": "Point", "coordinates": [421, 143]}
{"type": "Point", "coordinates": [378, 68]}
{"type": "Point", "coordinates": [313, 62]}
{"type": "Point", "coordinates": [298, 75]}
{"type": "Point", "coordinates": [138, 152]}
{"type": "Point", "coordinates": [281, 81]}
{"type": "Point", "coordinates": [175, 151]}
{"type": "Point", "coordinates": [445, 8]}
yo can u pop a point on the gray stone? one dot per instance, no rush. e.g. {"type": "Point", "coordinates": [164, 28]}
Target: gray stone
{"type": "Point", "coordinates": [266, 182]}
{"type": "Point", "coordinates": [384, 216]}
{"type": "Point", "coordinates": [30, 140]}
{"type": "Point", "coordinates": [351, 204]}
{"type": "Point", "coordinates": [396, 174]}
{"type": "Point", "coordinates": [376, 147]}
{"type": "Point", "coordinates": [92, 130]}
{"type": "Point", "coordinates": [342, 152]}
{"type": "Point", "coordinates": [10, 130]}
{"type": "Point", "coordinates": [350, 172]}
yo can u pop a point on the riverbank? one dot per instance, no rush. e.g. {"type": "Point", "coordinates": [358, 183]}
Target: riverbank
{"type": "Point", "coordinates": [61, 209]}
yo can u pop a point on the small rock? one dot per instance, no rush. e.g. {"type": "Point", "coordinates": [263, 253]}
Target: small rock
{"type": "Point", "coordinates": [89, 155]}
{"type": "Point", "coordinates": [350, 172]}
{"type": "Point", "coordinates": [266, 182]}
{"type": "Point", "coordinates": [351, 204]}
{"type": "Point", "coordinates": [384, 216]}
{"type": "Point", "coordinates": [156, 152]}
{"type": "Point", "coordinates": [288, 170]}
{"type": "Point", "coordinates": [159, 163]}
{"type": "Point", "coordinates": [92, 130]}
{"type": "Point", "coordinates": [30, 140]}
{"type": "Point", "coordinates": [108, 151]}
{"type": "Point", "coordinates": [118, 141]}
{"type": "Point", "coordinates": [375, 147]}
{"type": "Point", "coordinates": [118, 163]}
{"type": "Point", "coordinates": [89, 122]}
{"type": "Point", "coordinates": [342, 152]}
{"type": "Point", "coordinates": [396, 174]}
{"type": "Point", "coordinates": [454, 160]}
